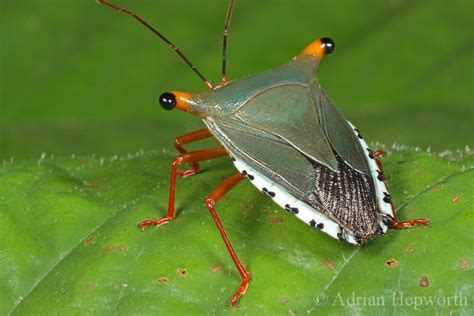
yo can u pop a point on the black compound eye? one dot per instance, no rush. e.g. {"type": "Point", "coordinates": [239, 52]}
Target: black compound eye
{"type": "Point", "coordinates": [167, 101]}
{"type": "Point", "coordinates": [328, 45]}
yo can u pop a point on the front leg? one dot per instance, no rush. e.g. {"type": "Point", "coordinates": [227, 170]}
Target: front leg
{"type": "Point", "coordinates": [188, 157]}
{"type": "Point", "coordinates": [186, 139]}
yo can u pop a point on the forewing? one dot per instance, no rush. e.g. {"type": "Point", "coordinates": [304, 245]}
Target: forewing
{"type": "Point", "coordinates": [267, 154]}
{"type": "Point", "coordinates": [309, 182]}
{"type": "Point", "coordinates": [339, 132]}
{"type": "Point", "coordinates": [288, 111]}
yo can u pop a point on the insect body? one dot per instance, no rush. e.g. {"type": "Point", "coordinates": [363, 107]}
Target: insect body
{"type": "Point", "coordinates": [285, 133]}
{"type": "Point", "coordinates": [287, 137]}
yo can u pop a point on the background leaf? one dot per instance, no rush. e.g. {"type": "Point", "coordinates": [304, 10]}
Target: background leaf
{"type": "Point", "coordinates": [80, 78]}
{"type": "Point", "coordinates": [86, 152]}
{"type": "Point", "coordinates": [68, 235]}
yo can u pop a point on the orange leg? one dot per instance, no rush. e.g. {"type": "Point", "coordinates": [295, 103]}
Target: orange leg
{"type": "Point", "coordinates": [188, 157]}
{"type": "Point", "coordinates": [211, 200]}
{"type": "Point", "coordinates": [394, 223]}
{"type": "Point", "coordinates": [186, 139]}
{"type": "Point", "coordinates": [379, 153]}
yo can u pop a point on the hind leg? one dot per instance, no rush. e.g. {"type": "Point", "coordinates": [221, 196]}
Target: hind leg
{"type": "Point", "coordinates": [394, 223]}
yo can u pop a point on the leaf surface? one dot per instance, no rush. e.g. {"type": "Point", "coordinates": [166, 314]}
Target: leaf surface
{"type": "Point", "coordinates": [70, 243]}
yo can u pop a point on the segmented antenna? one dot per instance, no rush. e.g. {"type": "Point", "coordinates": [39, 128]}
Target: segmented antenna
{"type": "Point", "coordinates": [228, 18]}
{"type": "Point", "coordinates": [167, 41]}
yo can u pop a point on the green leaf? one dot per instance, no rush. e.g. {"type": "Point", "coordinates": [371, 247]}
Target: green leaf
{"type": "Point", "coordinates": [69, 242]}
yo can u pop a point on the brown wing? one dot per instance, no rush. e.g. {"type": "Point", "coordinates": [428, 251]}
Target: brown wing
{"type": "Point", "coordinates": [348, 197]}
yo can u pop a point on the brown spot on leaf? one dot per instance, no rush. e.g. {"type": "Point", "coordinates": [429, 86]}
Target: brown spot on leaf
{"type": "Point", "coordinates": [93, 186]}
{"type": "Point", "coordinates": [411, 211]}
{"type": "Point", "coordinates": [436, 187]}
{"type": "Point", "coordinates": [181, 272]}
{"type": "Point", "coordinates": [424, 282]}
{"type": "Point", "coordinates": [121, 248]}
{"type": "Point", "coordinates": [328, 264]}
{"type": "Point", "coordinates": [455, 199]}
{"type": "Point", "coordinates": [163, 280]}
{"type": "Point", "coordinates": [410, 249]}
{"type": "Point", "coordinates": [108, 248]}
{"type": "Point", "coordinates": [464, 264]}
{"type": "Point", "coordinates": [276, 220]}
{"type": "Point", "coordinates": [90, 286]}
{"type": "Point", "coordinates": [392, 263]}
{"type": "Point", "coordinates": [248, 206]}
{"type": "Point", "coordinates": [89, 240]}
{"type": "Point", "coordinates": [216, 268]}
{"type": "Point", "coordinates": [284, 300]}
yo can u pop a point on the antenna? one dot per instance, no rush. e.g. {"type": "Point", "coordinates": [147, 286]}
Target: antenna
{"type": "Point", "coordinates": [228, 18]}
{"type": "Point", "coordinates": [167, 41]}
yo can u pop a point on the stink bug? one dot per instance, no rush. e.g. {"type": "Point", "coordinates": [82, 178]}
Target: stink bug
{"type": "Point", "coordinates": [287, 137]}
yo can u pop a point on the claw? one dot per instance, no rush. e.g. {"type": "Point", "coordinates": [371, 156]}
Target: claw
{"type": "Point", "coordinates": [154, 222]}
{"type": "Point", "coordinates": [241, 291]}
{"type": "Point", "coordinates": [379, 153]}
{"type": "Point", "coordinates": [409, 223]}
{"type": "Point", "coordinates": [189, 172]}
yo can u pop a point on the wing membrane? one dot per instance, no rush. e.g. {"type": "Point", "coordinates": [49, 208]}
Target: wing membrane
{"type": "Point", "coordinates": [268, 154]}
{"type": "Point", "coordinates": [339, 133]}
{"type": "Point", "coordinates": [288, 112]}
